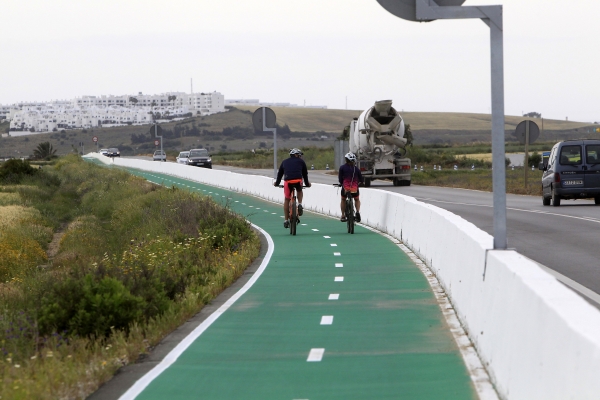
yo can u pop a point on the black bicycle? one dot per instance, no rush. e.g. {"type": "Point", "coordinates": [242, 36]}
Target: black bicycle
{"type": "Point", "coordinates": [294, 220]}
{"type": "Point", "coordinates": [350, 216]}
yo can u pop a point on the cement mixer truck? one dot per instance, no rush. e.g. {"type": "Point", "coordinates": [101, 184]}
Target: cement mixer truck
{"type": "Point", "coordinates": [376, 137]}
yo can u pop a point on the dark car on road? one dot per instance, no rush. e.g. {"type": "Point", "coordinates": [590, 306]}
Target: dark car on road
{"type": "Point", "coordinates": [113, 152]}
{"type": "Point", "coordinates": [199, 158]}
{"type": "Point", "coordinates": [572, 172]}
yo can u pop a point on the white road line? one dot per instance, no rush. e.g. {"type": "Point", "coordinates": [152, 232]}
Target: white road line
{"type": "Point", "coordinates": [339, 265]}
{"type": "Point", "coordinates": [174, 354]}
{"type": "Point", "coordinates": [303, 224]}
{"type": "Point", "coordinates": [334, 296]}
{"type": "Point", "coordinates": [327, 320]}
{"type": "Point", "coordinates": [316, 230]}
{"type": "Point", "coordinates": [590, 219]}
{"type": "Point", "coordinates": [337, 254]}
{"type": "Point", "coordinates": [333, 245]}
{"type": "Point", "coordinates": [257, 208]}
{"type": "Point", "coordinates": [315, 355]}
{"type": "Point", "coordinates": [327, 237]}
{"type": "Point", "coordinates": [339, 279]}
{"type": "Point", "coordinates": [271, 213]}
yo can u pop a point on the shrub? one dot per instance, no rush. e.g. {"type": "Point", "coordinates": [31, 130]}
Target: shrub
{"type": "Point", "coordinates": [88, 307]}
{"type": "Point", "coordinates": [13, 171]}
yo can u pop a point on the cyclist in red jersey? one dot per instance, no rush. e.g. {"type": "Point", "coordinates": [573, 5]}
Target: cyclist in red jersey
{"type": "Point", "coordinates": [292, 170]}
{"type": "Point", "coordinates": [349, 177]}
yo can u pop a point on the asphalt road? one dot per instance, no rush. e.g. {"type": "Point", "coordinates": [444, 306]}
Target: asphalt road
{"type": "Point", "coordinates": [564, 240]}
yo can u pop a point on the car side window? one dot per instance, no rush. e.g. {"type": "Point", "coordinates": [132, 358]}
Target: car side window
{"type": "Point", "coordinates": [570, 155]}
{"type": "Point", "coordinates": [552, 158]}
{"type": "Point", "coordinates": [592, 153]}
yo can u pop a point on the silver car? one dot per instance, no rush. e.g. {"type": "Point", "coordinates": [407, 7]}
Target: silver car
{"type": "Point", "coordinates": [159, 155]}
{"type": "Point", "coordinates": [183, 157]}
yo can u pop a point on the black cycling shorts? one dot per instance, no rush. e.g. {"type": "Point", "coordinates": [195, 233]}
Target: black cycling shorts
{"type": "Point", "coordinates": [354, 195]}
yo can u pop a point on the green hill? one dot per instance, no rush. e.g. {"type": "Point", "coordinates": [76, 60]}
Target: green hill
{"type": "Point", "coordinates": [233, 130]}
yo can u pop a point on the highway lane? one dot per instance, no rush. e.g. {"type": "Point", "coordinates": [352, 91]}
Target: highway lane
{"type": "Point", "coordinates": [563, 239]}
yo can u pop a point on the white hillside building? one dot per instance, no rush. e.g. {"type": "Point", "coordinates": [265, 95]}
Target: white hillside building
{"type": "Point", "coordinates": [107, 111]}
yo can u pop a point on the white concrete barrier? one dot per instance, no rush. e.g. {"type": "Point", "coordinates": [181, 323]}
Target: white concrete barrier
{"type": "Point", "coordinates": [537, 339]}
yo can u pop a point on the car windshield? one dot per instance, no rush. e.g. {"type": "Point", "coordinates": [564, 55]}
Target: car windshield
{"type": "Point", "coordinates": [570, 155]}
{"type": "Point", "coordinates": [199, 153]}
{"type": "Point", "coordinates": [184, 154]}
{"type": "Point", "coordinates": [593, 153]}
{"type": "Point", "coordinates": [113, 149]}
{"type": "Point", "coordinates": [158, 153]}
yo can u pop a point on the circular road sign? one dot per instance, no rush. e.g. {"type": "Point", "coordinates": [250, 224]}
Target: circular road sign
{"type": "Point", "coordinates": [257, 118]}
{"type": "Point", "coordinates": [156, 142]}
{"type": "Point", "coordinates": [534, 132]}
{"type": "Point", "coordinates": [95, 139]}
{"type": "Point", "coordinates": [407, 9]}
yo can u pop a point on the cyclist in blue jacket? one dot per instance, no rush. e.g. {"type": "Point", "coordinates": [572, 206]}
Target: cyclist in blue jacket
{"type": "Point", "coordinates": [292, 170]}
{"type": "Point", "coordinates": [349, 177]}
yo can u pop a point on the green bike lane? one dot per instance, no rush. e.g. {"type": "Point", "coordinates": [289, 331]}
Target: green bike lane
{"type": "Point", "coordinates": [333, 316]}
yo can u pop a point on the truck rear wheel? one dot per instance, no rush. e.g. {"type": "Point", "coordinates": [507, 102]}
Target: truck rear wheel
{"type": "Point", "coordinates": [367, 182]}
{"type": "Point", "coordinates": [397, 182]}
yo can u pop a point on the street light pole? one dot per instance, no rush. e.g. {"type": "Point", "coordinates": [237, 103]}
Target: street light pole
{"type": "Point", "coordinates": [429, 10]}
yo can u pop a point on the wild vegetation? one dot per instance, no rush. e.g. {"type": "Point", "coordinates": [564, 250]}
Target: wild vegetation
{"type": "Point", "coordinates": [96, 267]}
{"type": "Point", "coordinates": [480, 179]}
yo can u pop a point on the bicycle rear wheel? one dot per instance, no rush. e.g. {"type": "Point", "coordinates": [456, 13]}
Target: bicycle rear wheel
{"type": "Point", "coordinates": [350, 214]}
{"type": "Point", "coordinates": [293, 217]}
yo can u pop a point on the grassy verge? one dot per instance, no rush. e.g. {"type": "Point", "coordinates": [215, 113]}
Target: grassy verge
{"type": "Point", "coordinates": [135, 261]}
{"type": "Point", "coordinates": [481, 179]}
{"type": "Point", "coordinates": [319, 157]}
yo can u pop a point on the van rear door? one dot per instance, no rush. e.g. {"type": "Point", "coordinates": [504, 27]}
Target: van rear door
{"type": "Point", "coordinates": [592, 158]}
{"type": "Point", "coordinates": [571, 166]}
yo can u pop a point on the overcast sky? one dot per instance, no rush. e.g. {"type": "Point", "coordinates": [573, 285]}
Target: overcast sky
{"type": "Point", "coordinates": [313, 51]}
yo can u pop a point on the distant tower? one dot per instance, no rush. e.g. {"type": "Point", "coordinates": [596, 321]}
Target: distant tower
{"type": "Point", "coordinates": [191, 87]}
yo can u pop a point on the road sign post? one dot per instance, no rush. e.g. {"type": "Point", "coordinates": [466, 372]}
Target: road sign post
{"type": "Point", "coordinates": [95, 140]}
{"type": "Point", "coordinates": [161, 141]}
{"type": "Point", "coordinates": [527, 132]}
{"type": "Point", "coordinates": [264, 120]}
{"type": "Point", "coordinates": [430, 10]}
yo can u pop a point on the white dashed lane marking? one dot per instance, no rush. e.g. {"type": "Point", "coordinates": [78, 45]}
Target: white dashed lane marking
{"type": "Point", "coordinates": [327, 320]}
{"type": "Point", "coordinates": [334, 296]}
{"type": "Point", "coordinates": [337, 254]}
{"type": "Point", "coordinates": [333, 245]}
{"type": "Point", "coordinates": [327, 237]}
{"type": "Point", "coordinates": [315, 355]}
{"type": "Point", "coordinates": [339, 279]}
{"type": "Point", "coordinates": [339, 265]}
{"type": "Point", "coordinates": [316, 230]}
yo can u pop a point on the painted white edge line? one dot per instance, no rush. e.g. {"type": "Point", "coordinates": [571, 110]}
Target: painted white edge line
{"type": "Point", "coordinates": [174, 354]}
